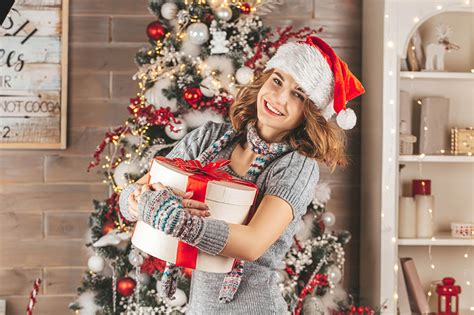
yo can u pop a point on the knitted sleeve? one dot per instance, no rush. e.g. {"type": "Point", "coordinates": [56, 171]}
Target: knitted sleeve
{"type": "Point", "coordinates": [293, 178]}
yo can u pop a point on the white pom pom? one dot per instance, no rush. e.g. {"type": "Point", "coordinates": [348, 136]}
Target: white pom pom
{"type": "Point", "coordinates": [346, 119]}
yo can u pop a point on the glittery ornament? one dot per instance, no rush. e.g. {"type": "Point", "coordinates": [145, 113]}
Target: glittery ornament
{"type": "Point", "coordinates": [169, 10]}
{"type": "Point", "coordinates": [176, 130]}
{"type": "Point", "coordinates": [328, 218]}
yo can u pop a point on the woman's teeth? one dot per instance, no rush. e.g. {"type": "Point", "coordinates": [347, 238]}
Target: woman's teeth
{"type": "Point", "coordinates": [272, 109]}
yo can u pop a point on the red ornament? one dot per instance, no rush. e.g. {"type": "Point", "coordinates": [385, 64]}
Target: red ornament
{"type": "Point", "coordinates": [448, 297]}
{"type": "Point", "coordinates": [108, 227]}
{"type": "Point", "coordinates": [155, 30]}
{"type": "Point", "coordinates": [126, 286]}
{"type": "Point", "coordinates": [192, 96]}
{"type": "Point", "coordinates": [245, 8]}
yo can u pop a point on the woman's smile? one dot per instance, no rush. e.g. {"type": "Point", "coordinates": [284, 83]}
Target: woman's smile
{"type": "Point", "coordinates": [271, 109]}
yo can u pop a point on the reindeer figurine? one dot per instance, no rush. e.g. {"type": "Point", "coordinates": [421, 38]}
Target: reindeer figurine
{"type": "Point", "coordinates": [435, 51]}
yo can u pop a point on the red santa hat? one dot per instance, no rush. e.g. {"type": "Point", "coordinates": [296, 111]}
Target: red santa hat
{"type": "Point", "coordinates": [326, 78]}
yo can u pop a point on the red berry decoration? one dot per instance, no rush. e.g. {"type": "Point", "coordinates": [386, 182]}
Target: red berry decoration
{"type": "Point", "coordinates": [126, 286]}
{"type": "Point", "coordinates": [108, 227]}
{"type": "Point", "coordinates": [192, 96]}
{"type": "Point", "coordinates": [245, 8]}
{"type": "Point", "coordinates": [155, 30]}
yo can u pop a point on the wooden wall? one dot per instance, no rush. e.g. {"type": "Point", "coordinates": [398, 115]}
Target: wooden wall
{"type": "Point", "coordinates": [46, 196]}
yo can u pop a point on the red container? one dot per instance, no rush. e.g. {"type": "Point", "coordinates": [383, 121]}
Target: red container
{"type": "Point", "coordinates": [421, 187]}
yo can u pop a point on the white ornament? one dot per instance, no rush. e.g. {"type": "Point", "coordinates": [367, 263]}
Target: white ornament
{"type": "Point", "coordinates": [223, 13]}
{"type": "Point", "coordinates": [334, 274]}
{"type": "Point", "coordinates": [219, 43]}
{"type": "Point", "coordinates": [96, 263]}
{"type": "Point", "coordinates": [198, 33]}
{"type": "Point", "coordinates": [244, 75]}
{"type": "Point", "coordinates": [179, 299]}
{"type": "Point", "coordinates": [346, 119]}
{"type": "Point", "coordinates": [154, 95]}
{"type": "Point", "coordinates": [135, 258]}
{"type": "Point", "coordinates": [112, 238]}
{"type": "Point", "coordinates": [169, 10]}
{"type": "Point", "coordinates": [209, 86]}
{"type": "Point", "coordinates": [328, 218]}
{"type": "Point", "coordinates": [122, 169]}
{"type": "Point", "coordinates": [176, 131]}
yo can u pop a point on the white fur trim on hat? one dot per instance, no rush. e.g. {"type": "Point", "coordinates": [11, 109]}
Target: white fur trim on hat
{"type": "Point", "coordinates": [310, 70]}
{"type": "Point", "coordinates": [346, 119]}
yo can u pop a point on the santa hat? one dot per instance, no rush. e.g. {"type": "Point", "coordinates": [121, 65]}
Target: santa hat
{"type": "Point", "coordinates": [326, 79]}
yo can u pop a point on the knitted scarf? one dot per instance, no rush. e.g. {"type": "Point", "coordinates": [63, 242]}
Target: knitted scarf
{"type": "Point", "coordinates": [267, 153]}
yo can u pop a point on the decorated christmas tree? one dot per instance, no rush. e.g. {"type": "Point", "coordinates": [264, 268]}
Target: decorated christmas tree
{"type": "Point", "coordinates": [198, 55]}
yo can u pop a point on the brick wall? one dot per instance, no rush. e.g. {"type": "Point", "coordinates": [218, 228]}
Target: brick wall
{"type": "Point", "coordinates": [46, 195]}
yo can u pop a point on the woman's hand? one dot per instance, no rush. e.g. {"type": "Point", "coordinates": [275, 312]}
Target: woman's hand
{"type": "Point", "coordinates": [192, 206]}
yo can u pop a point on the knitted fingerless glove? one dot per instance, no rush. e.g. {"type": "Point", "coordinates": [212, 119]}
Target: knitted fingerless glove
{"type": "Point", "coordinates": [164, 211]}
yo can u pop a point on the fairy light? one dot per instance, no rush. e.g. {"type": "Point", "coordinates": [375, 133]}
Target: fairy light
{"type": "Point", "coordinates": [439, 7]}
{"type": "Point", "coordinates": [390, 44]}
{"type": "Point", "coordinates": [416, 19]}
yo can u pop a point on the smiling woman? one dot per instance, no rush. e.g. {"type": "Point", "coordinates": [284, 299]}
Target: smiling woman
{"type": "Point", "coordinates": [279, 131]}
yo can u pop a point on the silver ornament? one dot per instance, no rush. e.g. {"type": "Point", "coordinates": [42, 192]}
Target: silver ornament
{"type": "Point", "coordinates": [329, 219]}
{"type": "Point", "coordinates": [223, 13]}
{"type": "Point", "coordinates": [198, 33]}
{"type": "Point", "coordinates": [334, 274]}
{"type": "Point", "coordinates": [176, 131]}
{"type": "Point", "coordinates": [96, 263]}
{"type": "Point", "coordinates": [169, 10]}
{"type": "Point", "coordinates": [135, 258]}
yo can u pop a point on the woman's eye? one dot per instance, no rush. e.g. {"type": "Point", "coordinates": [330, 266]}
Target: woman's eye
{"type": "Point", "coordinates": [276, 81]}
{"type": "Point", "coordinates": [300, 96]}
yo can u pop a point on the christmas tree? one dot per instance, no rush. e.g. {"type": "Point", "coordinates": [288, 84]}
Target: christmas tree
{"type": "Point", "coordinates": [198, 55]}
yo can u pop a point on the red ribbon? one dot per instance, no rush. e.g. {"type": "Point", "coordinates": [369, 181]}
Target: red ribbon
{"type": "Point", "coordinates": [186, 255]}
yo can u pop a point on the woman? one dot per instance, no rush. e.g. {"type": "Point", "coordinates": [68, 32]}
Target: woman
{"type": "Point", "coordinates": [279, 130]}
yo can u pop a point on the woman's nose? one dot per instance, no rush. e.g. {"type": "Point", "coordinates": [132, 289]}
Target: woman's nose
{"type": "Point", "coordinates": [282, 97]}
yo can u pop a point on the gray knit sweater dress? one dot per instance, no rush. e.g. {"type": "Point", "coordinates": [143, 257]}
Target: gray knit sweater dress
{"type": "Point", "coordinates": [293, 178]}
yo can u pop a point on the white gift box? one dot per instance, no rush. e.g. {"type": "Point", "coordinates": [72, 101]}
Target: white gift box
{"type": "Point", "coordinates": [228, 201]}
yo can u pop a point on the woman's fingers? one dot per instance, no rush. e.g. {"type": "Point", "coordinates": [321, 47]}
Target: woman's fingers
{"type": "Point", "coordinates": [194, 204]}
{"type": "Point", "coordinates": [157, 186]}
{"type": "Point", "coordinates": [198, 212]}
{"type": "Point", "coordinates": [181, 193]}
{"type": "Point", "coordinates": [132, 205]}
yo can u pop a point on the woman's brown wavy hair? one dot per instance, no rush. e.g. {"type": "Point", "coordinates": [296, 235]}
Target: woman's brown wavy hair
{"type": "Point", "coordinates": [315, 138]}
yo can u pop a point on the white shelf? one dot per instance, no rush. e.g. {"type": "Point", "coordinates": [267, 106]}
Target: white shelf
{"type": "Point", "coordinates": [437, 75]}
{"type": "Point", "coordinates": [437, 158]}
{"type": "Point", "coordinates": [442, 239]}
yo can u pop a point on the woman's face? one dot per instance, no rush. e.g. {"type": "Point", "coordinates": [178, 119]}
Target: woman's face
{"type": "Point", "coordinates": [280, 104]}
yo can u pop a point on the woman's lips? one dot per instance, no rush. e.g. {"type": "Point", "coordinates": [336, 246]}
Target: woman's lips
{"type": "Point", "coordinates": [269, 111]}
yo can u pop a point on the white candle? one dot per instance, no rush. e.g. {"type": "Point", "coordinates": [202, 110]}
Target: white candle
{"type": "Point", "coordinates": [406, 217]}
{"type": "Point", "coordinates": [424, 215]}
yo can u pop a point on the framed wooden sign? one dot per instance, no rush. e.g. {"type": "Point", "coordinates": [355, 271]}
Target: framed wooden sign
{"type": "Point", "coordinates": [33, 75]}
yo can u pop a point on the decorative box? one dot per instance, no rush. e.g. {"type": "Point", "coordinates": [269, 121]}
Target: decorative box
{"type": "Point", "coordinates": [228, 198]}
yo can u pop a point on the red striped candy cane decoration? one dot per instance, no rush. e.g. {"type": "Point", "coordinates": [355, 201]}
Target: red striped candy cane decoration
{"type": "Point", "coordinates": [33, 294]}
